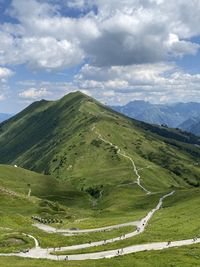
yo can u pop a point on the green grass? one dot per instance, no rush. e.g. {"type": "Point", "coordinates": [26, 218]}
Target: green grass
{"type": "Point", "coordinates": [175, 221]}
{"type": "Point", "coordinates": [88, 185]}
{"type": "Point", "coordinates": [56, 138]}
{"type": "Point", "coordinates": [176, 257]}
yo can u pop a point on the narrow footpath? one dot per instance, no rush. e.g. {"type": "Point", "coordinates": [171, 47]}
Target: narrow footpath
{"type": "Point", "coordinates": [123, 154]}
{"type": "Point", "coordinates": [40, 253]}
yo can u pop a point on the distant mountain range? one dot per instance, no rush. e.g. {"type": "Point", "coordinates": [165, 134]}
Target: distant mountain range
{"type": "Point", "coordinates": [185, 116]}
{"type": "Point", "coordinates": [4, 116]}
{"type": "Point", "coordinates": [191, 125]}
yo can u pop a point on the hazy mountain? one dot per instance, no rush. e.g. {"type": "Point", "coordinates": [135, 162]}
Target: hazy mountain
{"type": "Point", "coordinates": [134, 108]}
{"type": "Point", "coordinates": [195, 128]}
{"type": "Point", "coordinates": [188, 124]}
{"type": "Point", "coordinates": [192, 125]}
{"type": "Point", "coordinates": [172, 115]}
{"type": "Point", "coordinates": [4, 116]}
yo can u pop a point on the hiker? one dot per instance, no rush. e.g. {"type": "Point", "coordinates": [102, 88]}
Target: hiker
{"type": "Point", "coordinates": [66, 258]}
{"type": "Point", "coordinates": [168, 243]}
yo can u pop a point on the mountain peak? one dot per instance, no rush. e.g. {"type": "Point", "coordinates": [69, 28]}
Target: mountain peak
{"type": "Point", "coordinates": [74, 95]}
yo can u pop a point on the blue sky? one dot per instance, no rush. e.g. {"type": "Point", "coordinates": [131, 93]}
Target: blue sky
{"type": "Point", "coordinates": [115, 51]}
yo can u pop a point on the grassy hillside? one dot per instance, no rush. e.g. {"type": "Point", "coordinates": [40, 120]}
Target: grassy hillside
{"type": "Point", "coordinates": [84, 181]}
{"type": "Point", "coordinates": [89, 176]}
{"type": "Point", "coordinates": [56, 138]}
{"type": "Point", "coordinates": [41, 186]}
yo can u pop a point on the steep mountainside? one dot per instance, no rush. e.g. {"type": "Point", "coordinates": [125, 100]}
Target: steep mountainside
{"type": "Point", "coordinates": [62, 138]}
{"type": "Point", "coordinates": [172, 115]}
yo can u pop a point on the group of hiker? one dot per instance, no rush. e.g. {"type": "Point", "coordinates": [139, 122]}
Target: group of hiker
{"type": "Point", "coordinates": [45, 221]}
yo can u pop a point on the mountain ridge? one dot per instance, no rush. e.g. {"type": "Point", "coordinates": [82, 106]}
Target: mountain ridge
{"type": "Point", "coordinates": [103, 169]}
{"type": "Point", "coordinates": [55, 137]}
{"type": "Point", "coordinates": [173, 115]}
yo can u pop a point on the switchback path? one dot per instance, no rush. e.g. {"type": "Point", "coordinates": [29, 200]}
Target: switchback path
{"type": "Point", "coordinates": [140, 228]}
{"type": "Point", "coordinates": [39, 253]}
{"type": "Point", "coordinates": [50, 229]}
{"type": "Point", "coordinates": [42, 253]}
{"type": "Point", "coordinates": [138, 181]}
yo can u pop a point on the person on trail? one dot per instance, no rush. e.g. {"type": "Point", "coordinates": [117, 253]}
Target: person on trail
{"type": "Point", "coordinates": [66, 258]}
{"type": "Point", "coordinates": [168, 243]}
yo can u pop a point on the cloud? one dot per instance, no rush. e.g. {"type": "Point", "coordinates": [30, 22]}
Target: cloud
{"type": "Point", "coordinates": [5, 73]}
{"type": "Point", "coordinates": [39, 52]}
{"type": "Point", "coordinates": [126, 48]}
{"type": "Point", "coordinates": [34, 93]}
{"type": "Point", "coordinates": [152, 82]}
{"type": "Point", "coordinates": [139, 33]}
{"type": "Point", "coordinates": [120, 84]}
{"type": "Point", "coordinates": [124, 76]}
{"type": "Point", "coordinates": [2, 97]}
{"type": "Point", "coordinates": [121, 33]}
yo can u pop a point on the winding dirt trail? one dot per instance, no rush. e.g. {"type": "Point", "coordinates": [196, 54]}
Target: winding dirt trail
{"type": "Point", "coordinates": [39, 253]}
{"type": "Point", "coordinates": [42, 253]}
{"type": "Point", "coordinates": [68, 232]}
{"type": "Point", "coordinates": [123, 154]}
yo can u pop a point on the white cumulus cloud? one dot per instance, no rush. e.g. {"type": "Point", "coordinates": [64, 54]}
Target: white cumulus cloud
{"type": "Point", "coordinates": [121, 33]}
{"type": "Point", "coordinates": [34, 93]}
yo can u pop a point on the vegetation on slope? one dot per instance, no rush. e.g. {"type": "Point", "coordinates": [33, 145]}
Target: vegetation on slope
{"type": "Point", "coordinates": [88, 183]}
{"type": "Point", "coordinates": [56, 138]}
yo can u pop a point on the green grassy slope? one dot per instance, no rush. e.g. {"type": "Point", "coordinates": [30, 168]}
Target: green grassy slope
{"type": "Point", "coordinates": [56, 138]}
{"type": "Point", "coordinates": [86, 183]}
{"type": "Point", "coordinates": [46, 201]}
{"type": "Point", "coordinates": [42, 186]}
